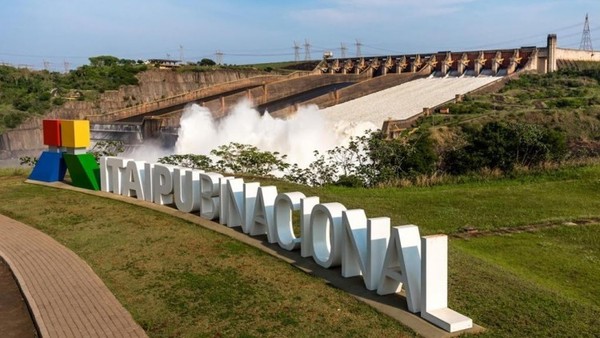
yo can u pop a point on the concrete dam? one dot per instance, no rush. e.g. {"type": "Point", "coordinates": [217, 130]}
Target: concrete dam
{"type": "Point", "coordinates": [375, 89]}
{"type": "Point", "coordinates": [383, 90]}
{"type": "Point", "coordinates": [354, 90]}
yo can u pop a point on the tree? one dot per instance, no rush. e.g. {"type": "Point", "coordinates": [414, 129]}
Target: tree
{"type": "Point", "coordinates": [320, 172]}
{"type": "Point", "coordinates": [188, 161]}
{"type": "Point", "coordinates": [248, 159]}
{"type": "Point", "coordinates": [504, 145]}
{"type": "Point", "coordinates": [107, 148]}
{"type": "Point", "coordinates": [369, 160]}
{"type": "Point", "coordinates": [103, 61]}
{"type": "Point", "coordinates": [403, 157]}
{"type": "Point", "coordinates": [206, 62]}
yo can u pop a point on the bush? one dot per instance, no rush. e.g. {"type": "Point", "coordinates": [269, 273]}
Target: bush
{"type": "Point", "coordinates": [206, 62]}
{"type": "Point", "coordinates": [11, 117]}
{"type": "Point", "coordinates": [107, 148]}
{"type": "Point", "coordinates": [28, 160]}
{"type": "Point", "coordinates": [188, 161]}
{"type": "Point", "coordinates": [503, 146]}
{"type": "Point", "coordinates": [470, 107]}
{"type": "Point", "coordinates": [401, 158]}
{"type": "Point", "coordinates": [58, 101]}
{"type": "Point", "coordinates": [569, 102]}
{"type": "Point", "coordinates": [248, 159]}
{"type": "Point", "coordinates": [350, 181]}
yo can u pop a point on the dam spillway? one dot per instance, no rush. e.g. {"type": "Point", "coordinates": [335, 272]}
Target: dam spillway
{"type": "Point", "coordinates": [406, 100]}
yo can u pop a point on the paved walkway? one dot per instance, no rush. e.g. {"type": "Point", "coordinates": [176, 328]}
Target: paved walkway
{"type": "Point", "coordinates": [67, 299]}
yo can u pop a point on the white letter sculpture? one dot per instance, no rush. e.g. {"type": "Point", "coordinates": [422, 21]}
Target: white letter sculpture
{"type": "Point", "coordinates": [326, 234]}
{"type": "Point", "coordinates": [133, 180]}
{"type": "Point", "coordinates": [285, 203]}
{"type": "Point", "coordinates": [365, 244]}
{"type": "Point", "coordinates": [434, 292]}
{"type": "Point", "coordinates": [402, 266]}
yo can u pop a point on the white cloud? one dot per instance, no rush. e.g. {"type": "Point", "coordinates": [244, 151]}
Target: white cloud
{"type": "Point", "coordinates": [377, 11]}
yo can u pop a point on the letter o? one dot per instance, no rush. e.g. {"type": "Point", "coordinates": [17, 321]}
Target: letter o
{"type": "Point", "coordinates": [285, 203]}
{"type": "Point", "coordinates": [326, 234]}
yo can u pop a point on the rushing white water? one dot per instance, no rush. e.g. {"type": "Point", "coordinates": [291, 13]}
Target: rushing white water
{"type": "Point", "coordinates": [309, 129]}
{"type": "Point", "coordinates": [296, 137]}
{"type": "Point", "coordinates": [406, 100]}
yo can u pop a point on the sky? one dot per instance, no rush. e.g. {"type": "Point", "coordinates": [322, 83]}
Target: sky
{"type": "Point", "coordinates": [65, 33]}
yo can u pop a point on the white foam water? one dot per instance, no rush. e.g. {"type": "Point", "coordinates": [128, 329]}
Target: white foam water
{"type": "Point", "coordinates": [297, 137]}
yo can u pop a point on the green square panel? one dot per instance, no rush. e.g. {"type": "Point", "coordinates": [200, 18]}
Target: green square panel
{"type": "Point", "coordinates": [84, 170]}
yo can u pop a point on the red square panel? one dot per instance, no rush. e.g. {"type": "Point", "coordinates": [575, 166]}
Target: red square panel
{"type": "Point", "coordinates": [52, 133]}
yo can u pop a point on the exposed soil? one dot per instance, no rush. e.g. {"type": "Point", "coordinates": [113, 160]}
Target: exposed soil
{"type": "Point", "coordinates": [473, 232]}
{"type": "Point", "coordinates": [15, 320]}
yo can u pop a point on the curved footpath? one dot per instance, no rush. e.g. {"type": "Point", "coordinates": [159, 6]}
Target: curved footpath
{"type": "Point", "coordinates": [66, 297]}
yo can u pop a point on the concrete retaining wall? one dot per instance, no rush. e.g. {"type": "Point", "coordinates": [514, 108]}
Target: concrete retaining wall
{"type": "Point", "coordinates": [576, 55]}
{"type": "Point", "coordinates": [265, 93]}
{"type": "Point", "coordinates": [154, 85]}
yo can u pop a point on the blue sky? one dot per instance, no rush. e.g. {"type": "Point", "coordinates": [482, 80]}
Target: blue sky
{"type": "Point", "coordinates": [55, 31]}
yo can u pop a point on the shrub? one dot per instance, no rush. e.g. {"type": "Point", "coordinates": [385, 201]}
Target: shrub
{"type": "Point", "coordinates": [506, 145]}
{"type": "Point", "coordinates": [193, 161]}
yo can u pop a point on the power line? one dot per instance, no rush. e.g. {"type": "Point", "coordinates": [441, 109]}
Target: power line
{"type": "Point", "coordinates": [307, 46]}
{"type": "Point", "coordinates": [586, 37]}
{"type": "Point", "coordinates": [382, 49]}
{"type": "Point", "coordinates": [296, 52]}
{"type": "Point", "coordinates": [538, 35]}
{"type": "Point", "coordinates": [219, 57]}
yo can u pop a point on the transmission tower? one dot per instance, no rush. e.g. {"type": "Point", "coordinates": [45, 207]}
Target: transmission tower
{"type": "Point", "coordinates": [307, 46]}
{"type": "Point", "coordinates": [219, 57]}
{"type": "Point", "coordinates": [67, 66]}
{"type": "Point", "coordinates": [46, 65]}
{"type": "Point", "coordinates": [358, 44]}
{"type": "Point", "coordinates": [296, 52]}
{"type": "Point", "coordinates": [343, 49]}
{"type": "Point", "coordinates": [586, 37]}
{"type": "Point", "coordinates": [181, 54]}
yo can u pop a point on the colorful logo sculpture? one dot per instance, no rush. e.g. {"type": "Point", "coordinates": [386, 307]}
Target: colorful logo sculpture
{"type": "Point", "coordinates": [67, 142]}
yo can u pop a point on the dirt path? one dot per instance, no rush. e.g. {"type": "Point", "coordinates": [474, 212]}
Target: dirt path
{"type": "Point", "coordinates": [15, 320]}
{"type": "Point", "coordinates": [466, 233]}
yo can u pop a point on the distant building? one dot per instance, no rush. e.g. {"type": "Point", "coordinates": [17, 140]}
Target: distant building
{"type": "Point", "coordinates": [163, 63]}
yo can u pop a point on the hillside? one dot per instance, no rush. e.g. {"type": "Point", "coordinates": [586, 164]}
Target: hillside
{"type": "Point", "coordinates": [107, 84]}
{"type": "Point", "coordinates": [567, 102]}
{"type": "Point", "coordinates": [506, 238]}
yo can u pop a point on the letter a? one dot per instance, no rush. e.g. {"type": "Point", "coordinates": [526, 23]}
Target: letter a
{"type": "Point", "coordinates": [402, 265]}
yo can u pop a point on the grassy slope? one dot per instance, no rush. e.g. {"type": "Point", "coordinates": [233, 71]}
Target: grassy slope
{"type": "Point", "coordinates": [178, 279]}
{"type": "Point", "coordinates": [565, 195]}
{"type": "Point", "coordinates": [566, 102]}
{"type": "Point", "coordinates": [542, 283]}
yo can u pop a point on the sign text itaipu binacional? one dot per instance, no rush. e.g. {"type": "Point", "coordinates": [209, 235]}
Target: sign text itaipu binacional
{"type": "Point", "coordinates": [388, 258]}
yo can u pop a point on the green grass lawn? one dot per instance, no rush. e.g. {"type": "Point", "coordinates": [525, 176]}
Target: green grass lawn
{"type": "Point", "coordinates": [566, 195]}
{"type": "Point", "coordinates": [538, 284]}
{"type": "Point", "coordinates": [178, 279]}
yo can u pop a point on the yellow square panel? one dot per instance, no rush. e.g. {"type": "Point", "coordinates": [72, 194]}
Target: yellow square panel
{"type": "Point", "coordinates": [75, 133]}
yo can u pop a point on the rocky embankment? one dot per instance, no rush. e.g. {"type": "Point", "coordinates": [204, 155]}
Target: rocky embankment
{"type": "Point", "coordinates": [153, 85]}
